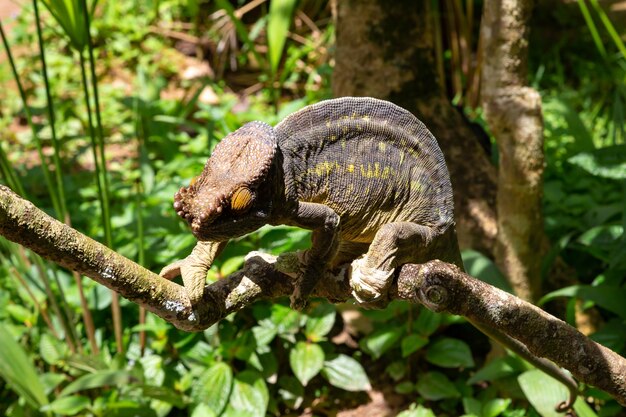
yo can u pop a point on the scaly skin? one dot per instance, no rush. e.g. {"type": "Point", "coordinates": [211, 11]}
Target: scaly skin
{"type": "Point", "coordinates": [363, 174]}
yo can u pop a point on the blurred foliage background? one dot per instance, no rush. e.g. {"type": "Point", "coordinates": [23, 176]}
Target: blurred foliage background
{"type": "Point", "coordinates": [107, 108]}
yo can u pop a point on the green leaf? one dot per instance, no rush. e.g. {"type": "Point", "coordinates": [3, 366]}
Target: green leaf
{"type": "Point", "coordinates": [404, 388]}
{"type": "Point", "coordinates": [263, 335]}
{"type": "Point", "coordinates": [412, 343]}
{"type": "Point", "coordinates": [203, 410]}
{"type": "Point", "coordinates": [291, 391]}
{"type": "Point", "coordinates": [164, 395]}
{"type": "Point", "coordinates": [583, 139]}
{"type": "Point", "coordinates": [396, 370]}
{"type": "Point", "coordinates": [419, 411]}
{"type": "Point", "coordinates": [496, 369]}
{"type": "Point", "coordinates": [608, 297]}
{"type": "Point", "coordinates": [214, 387]}
{"type": "Point", "coordinates": [51, 349]}
{"type": "Point", "coordinates": [483, 268]}
{"type": "Point", "coordinates": [495, 407]}
{"type": "Point", "coordinates": [450, 353]}
{"type": "Point", "coordinates": [346, 373]}
{"type": "Point", "coordinates": [427, 322]}
{"type": "Point", "coordinates": [543, 392]}
{"type": "Point", "coordinates": [70, 15]}
{"type": "Point", "coordinates": [249, 396]}
{"type": "Point", "coordinates": [320, 322]}
{"type": "Point", "coordinates": [472, 406]}
{"type": "Point", "coordinates": [608, 162]}
{"type": "Point", "coordinates": [68, 406]}
{"type": "Point", "coordinates": [306, 360]}
{"type": "Point", "coordinates": [377, 343]}
{"type": "Point", "coordinates": [285, 319]}
{"type": "Point", "coordinates": [18, 371]}
{"type": "Point", "coordinates": [97, 379]}
{"type": "Point", "coordinates": [436, 386]}
{"type": "Point", "coordinates": [278, 22]}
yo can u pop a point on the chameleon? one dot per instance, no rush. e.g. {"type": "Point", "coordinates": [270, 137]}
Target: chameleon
{"type": "Point", "coordinates": [364, 175]}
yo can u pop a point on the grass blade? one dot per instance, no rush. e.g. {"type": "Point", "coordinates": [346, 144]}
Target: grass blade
{"type": "Point", "coordinates": [278, 23]}
{"type": "Point", "coordinates": [18, 371]}
{"type": "Point", "coordinates": [592, 28]}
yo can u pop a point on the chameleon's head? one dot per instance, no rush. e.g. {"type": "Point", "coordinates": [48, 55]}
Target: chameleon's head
{"type": "Point", "coordinates": [217, 202]}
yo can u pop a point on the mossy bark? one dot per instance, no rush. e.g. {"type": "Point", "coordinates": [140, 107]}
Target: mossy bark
{"type": "Point", "coordinates": [439, 286]}
{"type": "Point", "coordinates": [386, 50]}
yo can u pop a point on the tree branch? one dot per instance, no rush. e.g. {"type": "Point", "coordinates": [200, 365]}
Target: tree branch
{"type": "Point", "coordinates": [437, 285]}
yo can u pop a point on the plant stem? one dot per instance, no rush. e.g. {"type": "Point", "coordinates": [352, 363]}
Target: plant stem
{"type": "Point", "coordinates": [51, 119]}
{"type": "Point", "coordinates": [115, 300]}
{"type": "Point", "coordinates": [29, 120]}
{"type": "Point", "coordinates": [116, 313]}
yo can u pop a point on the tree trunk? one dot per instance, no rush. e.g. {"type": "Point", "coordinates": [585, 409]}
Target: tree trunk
{"type": "Point", "coordinates": [386, 50]}
{"type": "Point", "coordinates": [513, 112]}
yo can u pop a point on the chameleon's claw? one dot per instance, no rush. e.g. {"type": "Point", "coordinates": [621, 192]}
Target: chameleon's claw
{"type": "Point", "coordinates": [172, 270]}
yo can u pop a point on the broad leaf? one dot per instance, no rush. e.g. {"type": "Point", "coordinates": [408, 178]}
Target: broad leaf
{"type": "Point", "coordinates": [543, 392]}
{"type": "Point", "coordinates": [450, 353]}
{"type": "Point", "coordinates": [483, 268]}
{"type": "Point", "coordinates": [320, 322]}
{"type": "Point", "coordinates": [346, 373]}
{"type": "Point", "coordinates": [249, 396]}
{"type": "Point", "coordinates": [377, 343]}
{"type": "Point", "coordinates": [412, 343]}
{"type": "Point", "coordinates": [291, 391]}
{"type": "Point", "coordinates": [436, 386]}
{"type": "Point", "coordinates": [427, 322]}
{"type": "Point", "coordinates": [419, 411]}
{"type": "Point", "coordinates": [306, 360]}
{"type": "Point", "coordinates": [98, 379]}
{"type": "Point", "coordinates": [214, 387]}
{"type": "Point", "coordinates": [608, 162]}
{"type": "Point", "coordinates": [608, 297]}
{"type": "Point", "coordinates": [496, 369]}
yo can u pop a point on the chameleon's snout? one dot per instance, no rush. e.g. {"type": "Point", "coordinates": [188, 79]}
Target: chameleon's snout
{"type": "Point", "coordinates": [197, 210]}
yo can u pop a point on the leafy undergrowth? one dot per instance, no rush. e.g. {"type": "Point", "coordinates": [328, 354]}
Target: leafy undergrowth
{"type": "Point", "coordinates": [174, 78]}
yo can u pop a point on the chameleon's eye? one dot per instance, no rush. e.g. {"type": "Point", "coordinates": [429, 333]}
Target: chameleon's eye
{"type": "Point", "coordinates": [193, 181]}
{"type": "Point", "coordinates": [242, 199]}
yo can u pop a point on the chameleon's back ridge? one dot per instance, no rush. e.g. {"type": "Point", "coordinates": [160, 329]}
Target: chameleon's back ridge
{"type": "Point", "coordinates": [359, 155]}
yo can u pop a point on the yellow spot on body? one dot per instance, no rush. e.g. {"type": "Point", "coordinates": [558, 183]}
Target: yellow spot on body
{"type": "Point", "coordinates": [387, 172]}
{"type": "Point", "coordinates": [401, 157]}
{"type": "Point", "coordinates": [333, 138]}
{"type": "Point", "coordinates": [416, 186]}
{"type": "Point", "coordinates": [351, 168]}
{"type": "Point", "coordinates": [381, 146]}
{"type": "Point", "coordinates": [325, 168]}
{"type": "Point", "coordinates": [376, 170]}
{"type": "Point", "coordinates": [366, 118]}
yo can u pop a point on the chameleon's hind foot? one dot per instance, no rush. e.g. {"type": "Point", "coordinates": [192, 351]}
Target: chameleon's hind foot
{"type": "Point", "coordinates": [369, 285]}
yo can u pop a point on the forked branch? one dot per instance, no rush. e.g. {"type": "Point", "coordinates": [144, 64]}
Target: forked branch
{"type": "Point", "coordinates": [437, 285]}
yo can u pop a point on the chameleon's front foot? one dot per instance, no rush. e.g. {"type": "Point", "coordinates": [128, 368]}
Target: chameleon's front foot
{"type": "Point", "coordinates": [369, 285]}
{"type": "Point", "coordinates": [193, 275]}
{"type": "Point", "coordinates": [193, 270]}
